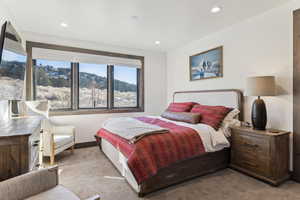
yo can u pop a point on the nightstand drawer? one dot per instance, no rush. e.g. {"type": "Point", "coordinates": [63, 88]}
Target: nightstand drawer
{"type": "Point", "coordinates": [251, 162]}
{"type": "Point", "coordinates": [256, 146]}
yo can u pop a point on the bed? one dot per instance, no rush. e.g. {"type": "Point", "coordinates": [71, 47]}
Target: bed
{"type": "Point", "coordinates": [185, 169]}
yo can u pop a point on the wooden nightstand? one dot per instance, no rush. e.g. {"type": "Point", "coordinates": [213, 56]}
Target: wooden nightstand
{"type": "Point", "coordinates": [262, 154]}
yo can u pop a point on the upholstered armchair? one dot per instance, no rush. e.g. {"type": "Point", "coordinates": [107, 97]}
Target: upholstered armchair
{"type": "Point", "coordinates": [55, 138]}
{"type": "Point", "coordinates": [37, 185]}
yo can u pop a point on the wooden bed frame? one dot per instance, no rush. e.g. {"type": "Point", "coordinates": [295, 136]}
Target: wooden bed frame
{"type": "Point", "coordinates": [193, 167]}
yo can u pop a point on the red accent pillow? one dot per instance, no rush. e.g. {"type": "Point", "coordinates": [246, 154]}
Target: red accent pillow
{"type": "Point", "coordinates": [181, 107]}
{"type": "Point", "coordinates": [211, 115]}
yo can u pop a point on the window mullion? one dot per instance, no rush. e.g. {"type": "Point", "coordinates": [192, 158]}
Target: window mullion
{"type": "Point", "coordinates": [34, 78]}
{"type": "Point", "coordinates": [110, 86]}
{"type": "Point", "coordinates": [138, 85]}
{"type": "Point", "coordinates": [75, 85]}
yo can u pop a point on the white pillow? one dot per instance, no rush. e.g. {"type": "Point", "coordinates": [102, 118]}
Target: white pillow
{"type": "Point", "coordinates": [230, 120]}
{"type": "Point", "coordinates": [225, 127]}
{"type": "Point", "coordinates": [231, 115]}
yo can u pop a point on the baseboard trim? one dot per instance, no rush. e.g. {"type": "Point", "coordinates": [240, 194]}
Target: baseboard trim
{"type": "Point", "coordinates": [85, 144]}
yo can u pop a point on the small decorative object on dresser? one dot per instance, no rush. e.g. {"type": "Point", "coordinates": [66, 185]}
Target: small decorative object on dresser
{"type": "Point", "coordinates": [260, 86]}
{"type": "Point", "coordinates": [262, 154]}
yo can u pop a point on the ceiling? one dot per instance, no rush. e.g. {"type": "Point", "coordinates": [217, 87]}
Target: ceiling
{"type": "Point", "coordinates": [172, 22]}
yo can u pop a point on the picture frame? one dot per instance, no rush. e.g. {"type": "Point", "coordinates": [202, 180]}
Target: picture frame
{"type": "Point", "coordinates": [207, 64]}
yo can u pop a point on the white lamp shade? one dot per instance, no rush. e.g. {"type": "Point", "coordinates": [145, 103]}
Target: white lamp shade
{"type": "Point", "coordinates": [261, 86]}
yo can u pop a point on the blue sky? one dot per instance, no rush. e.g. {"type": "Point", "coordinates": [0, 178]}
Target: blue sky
{"type": "Point", "coordinates": [122, 73]}
{"type": "Point", "coordinates": [127, 74]}
{"type": "Point", "coordinates": [98, 69]}
{"type": "Point", "coordinates": [11, 56]}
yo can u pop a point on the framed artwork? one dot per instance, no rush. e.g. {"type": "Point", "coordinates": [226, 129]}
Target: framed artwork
{"type": "Point", "coordinates": [208, 64]}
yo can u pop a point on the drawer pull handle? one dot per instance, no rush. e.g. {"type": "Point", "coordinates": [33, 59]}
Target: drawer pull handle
{"type": "Point", "coordinates": [35, 144]}
{"type": "Point", "coordinates": [171, 176]}
{"type": "Point", "coordinates": [251, 145]}
{"type": "Point", "coordinates": [250, 164]}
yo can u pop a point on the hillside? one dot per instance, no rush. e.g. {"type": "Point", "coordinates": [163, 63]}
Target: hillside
{"type": "Point", "coordinates": [53, 84]}
{"type": "Point", "coordinates": [13, 69]}
{"type": "Point", "coordinates": [58, 77]}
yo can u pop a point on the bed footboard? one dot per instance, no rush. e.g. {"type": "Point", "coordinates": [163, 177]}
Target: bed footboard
{"type": "Point", "coordinates": [98, 141]}
{"type": "Point", "coordinates": [185, 170]}
{"type": "Point", "coordinates": [182, 171]}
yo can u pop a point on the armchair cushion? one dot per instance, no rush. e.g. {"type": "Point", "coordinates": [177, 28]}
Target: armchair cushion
{"type": "Point", "coordinates": [58, 192]}
{"type": "Point", "coordinates": [62, 140]}
{"type": "Point", "coordinates": [64, 130]}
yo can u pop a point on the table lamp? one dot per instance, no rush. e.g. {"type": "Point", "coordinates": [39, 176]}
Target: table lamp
{"type": "Point", "coordinates": [260, 86]}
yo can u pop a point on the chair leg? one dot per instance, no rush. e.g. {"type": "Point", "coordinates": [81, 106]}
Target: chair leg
{"type": "Point", "coordinates": [72, 149]}
{"type": "Point", "coordinates": [52, 157]}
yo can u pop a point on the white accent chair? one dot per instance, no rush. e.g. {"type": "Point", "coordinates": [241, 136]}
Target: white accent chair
{"type": "Point", "coordinates": [37, 185]}
{"type": "Point", "coordinates": [55, 138]}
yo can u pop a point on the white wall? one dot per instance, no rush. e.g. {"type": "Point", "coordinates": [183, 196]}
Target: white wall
{"type": "Point", "coordinates": [155, 85]}
{"type": "Point", "coordinates": [3, 13]}
{"type": "Point", "coordinates": [261, 45]}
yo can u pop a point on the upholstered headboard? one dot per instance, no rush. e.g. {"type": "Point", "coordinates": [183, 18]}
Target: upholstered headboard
{"type": "Point", "coordinates": [228, 97]}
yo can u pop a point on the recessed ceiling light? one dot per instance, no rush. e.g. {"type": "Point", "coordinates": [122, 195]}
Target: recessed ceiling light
{"type": "Point", "coordinates": [157, 42]}
{"type": "Point", "coordinates": [134, 17]}
{"type": "Point", "coordinates": [63, 24]}
{"type": "Point", "coordinates": [216, 9]}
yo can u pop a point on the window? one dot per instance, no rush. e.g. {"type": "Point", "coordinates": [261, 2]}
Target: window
{"type": "Point", "coordinates": [92, 85]}
{"type": "Point", "coordinates": [82, 81]}
{"type": "Point", "coordinates": [12, 71]}
{"type": "Point", "coordinates": [53, 82]}
{"type": "Point", "coordinates": [125, 86]}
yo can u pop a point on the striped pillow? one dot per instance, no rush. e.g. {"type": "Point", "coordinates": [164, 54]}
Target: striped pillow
{"type": "Point", "coordinates": [211, 115]}
{"type": "Point", "coordinates": [181, 107]}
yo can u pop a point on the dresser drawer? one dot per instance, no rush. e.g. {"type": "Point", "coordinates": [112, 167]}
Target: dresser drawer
{"type": "Point", "coordinates": [18, 146]}
{"type": "Point", "coordinates": [254, 146]}
{"type": "Point", "coordinates": [34, 154]}
{"type": "Point", "coordinates": [34, 144]}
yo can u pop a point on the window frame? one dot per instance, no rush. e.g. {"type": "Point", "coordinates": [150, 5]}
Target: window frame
{"type": "Point", "coordinates": [113, 90]}
{"type": "Point", "coordinates": [75, 110]}
{"type": "Point", "coordinates": [34, 63]}
{"type": "Point", "coordinates": [78, 88]}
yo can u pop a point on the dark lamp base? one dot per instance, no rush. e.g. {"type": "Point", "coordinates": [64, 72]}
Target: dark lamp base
{"type": "Point", "coordinates": [259, 114]}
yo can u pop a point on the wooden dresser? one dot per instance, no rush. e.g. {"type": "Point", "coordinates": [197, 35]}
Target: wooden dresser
{"type": "Point", "coordinates": [19, 146]}
{"type": "Point", "coordinates": [262, 154]}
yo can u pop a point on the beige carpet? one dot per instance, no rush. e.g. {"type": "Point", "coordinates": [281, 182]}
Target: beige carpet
{"type": "Point", "coordinates": [84, 171]}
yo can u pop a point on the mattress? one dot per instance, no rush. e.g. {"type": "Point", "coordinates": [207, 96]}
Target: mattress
{"type": "Point", "coordinates": [120, 162]}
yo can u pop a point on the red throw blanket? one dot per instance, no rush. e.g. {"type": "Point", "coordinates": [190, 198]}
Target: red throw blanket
{"type": "Point", "coordinates": [155, 152]}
